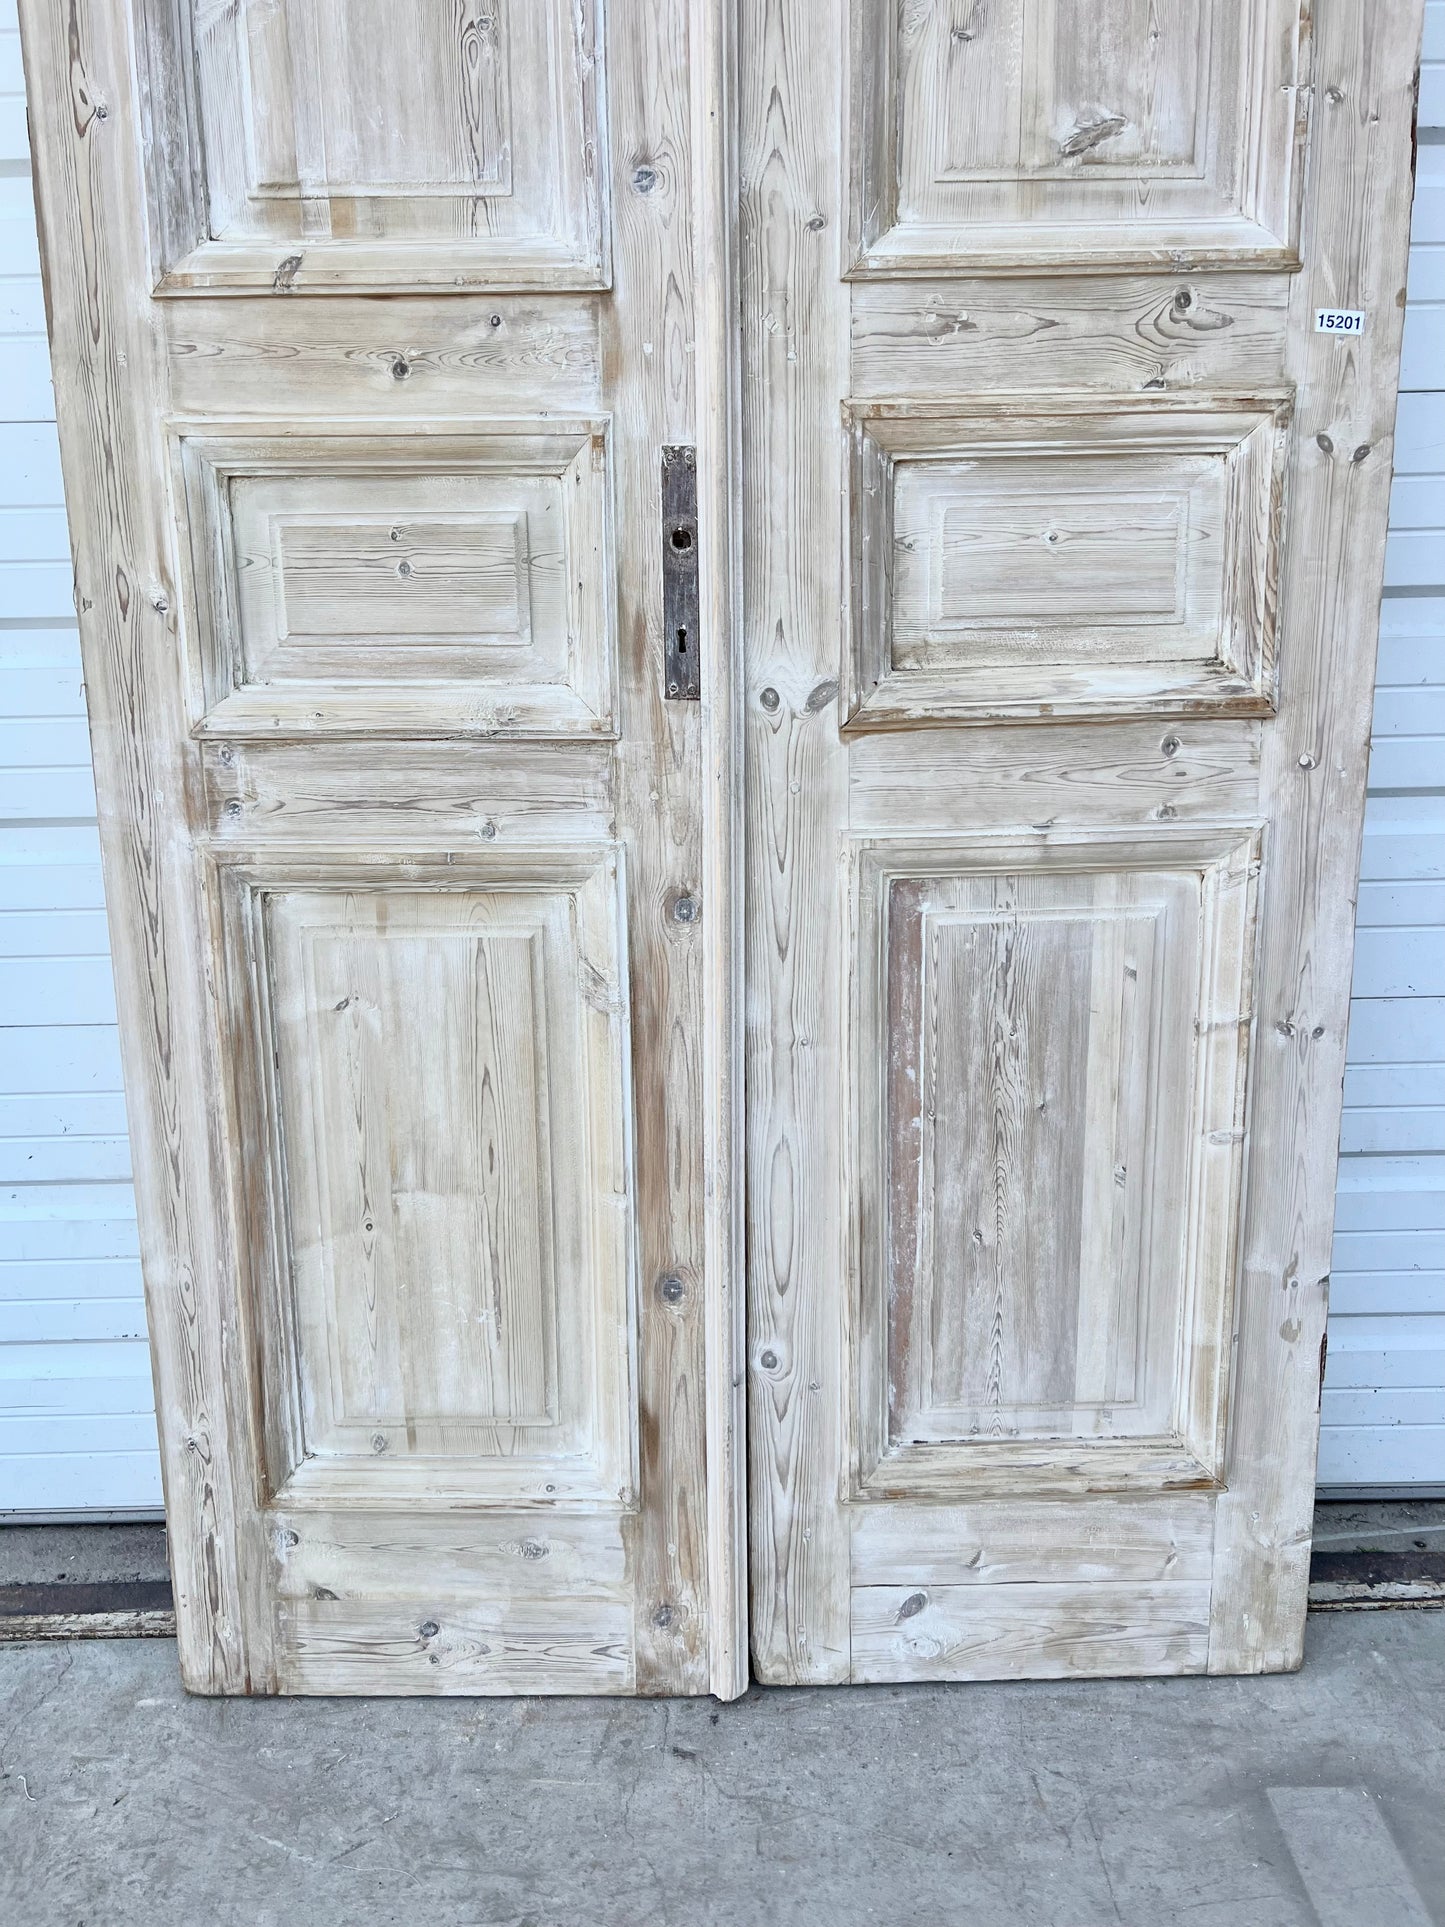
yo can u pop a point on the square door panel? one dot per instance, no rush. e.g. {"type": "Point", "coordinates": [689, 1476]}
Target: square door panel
{"type": "Point", "coordinates": [1099, 557]}
{"type": "Point", "coordinates": [1013, 134]}
{"type": "Point", "coordinates": [304, 145]}
{"type": "Point", "coordinates": [1049, 1081]}
{"type": "Point", "coordinates": [405, 583]}
{"type": "Point", "coordinates": [432, 1094]}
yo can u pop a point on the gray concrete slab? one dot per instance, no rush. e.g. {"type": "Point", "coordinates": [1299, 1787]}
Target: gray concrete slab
{"type": "Point", "coordinates": [81, 1554]}
{"type": "Point", "coordinates": [1178, 1803]}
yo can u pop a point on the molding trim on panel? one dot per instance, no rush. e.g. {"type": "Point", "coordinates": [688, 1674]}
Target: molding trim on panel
{"type": "Point", "coordinates": [370, 149]}
{"type": "Point", "coordinates": [432, 1082]}
{"type": "Point", "coordinates": [411, 581]}
{"type": "Point", "coordinates": [1000, 143]}
{"type": "Point", "coordinates": [1027, 557]}
{"type": "Point", "coordinates": [1049, 1058]}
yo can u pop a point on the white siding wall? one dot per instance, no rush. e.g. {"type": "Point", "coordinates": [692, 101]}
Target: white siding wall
{"type": "Point", "coordinates": [77, 1431]}
{"type": "Point", "coordinates": [1384, 1405]}
{"type": "Point", "coordinates": [76, 1424]}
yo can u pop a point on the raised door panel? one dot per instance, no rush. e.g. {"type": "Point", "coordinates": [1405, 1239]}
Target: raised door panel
{"type": "Point", "coordinates": [1080, 555]}
{"type": "Point", "coordinates": [445, 144]}
{"type": "Point", "coordinates": [1049, 1098]}
{"type": "Point", "coordinates": [432, 1081]}
{"type": "Point", "coordinates": [411, 583]}
{"type": "Point", "coordinates": [1005, 133]}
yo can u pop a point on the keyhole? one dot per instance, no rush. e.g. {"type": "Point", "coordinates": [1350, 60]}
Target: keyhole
{"type": "Point", "coordinates": [682, 540]}
{"type": "Point", "coordinates": [682, 642]}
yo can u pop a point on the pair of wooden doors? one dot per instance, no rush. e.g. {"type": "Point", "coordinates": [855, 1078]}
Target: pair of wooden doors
{"type": "Point", "coordinates": [887, 872]}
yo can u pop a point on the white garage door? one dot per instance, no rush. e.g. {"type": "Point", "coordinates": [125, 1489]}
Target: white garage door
{"type": "Point", "coordinates": [76, 1426]}
{"type": "Point", "coordinates": [1384, 1406]}
{"type": "Point", "coordinates": [77, 1431]}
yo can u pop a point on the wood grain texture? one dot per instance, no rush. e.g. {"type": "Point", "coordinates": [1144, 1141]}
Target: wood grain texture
{"type": "Point", "coordinates": [108, 376]}
{"type": "Point", "coordinates": [1013, 133]}
{"type": "Point", "coordinates": [793, 353]}
{"type": "Point", "coordinates": [1313, 777]}
{"type": "Point", "coordinates": [1048, 1107]}
{"type": "Point", "coordinates": [713, 64]}
{"type": "Point", "coordinates": [648, 332]}
{"type": "Point", "coordinates": [410, 583]}
{"type": "Point", "coordinates": [977, 1016]}
{"type": "Point", "coordinates": [295, 149]}
{"type": "Point", "coordinates": [1038, 1631]}
{"type": "Point", "coordinates": [1116, 557]}
{"type": "Point", "coordinates": [1140, 332]}
{"type": "Point", "coordinates": [381, 1026]}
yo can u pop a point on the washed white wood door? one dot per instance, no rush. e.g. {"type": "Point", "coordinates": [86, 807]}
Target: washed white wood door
{"type": "Point", "coordinates": [1061, 556]}
{"type": "Point", "coordinates": [371, 324]}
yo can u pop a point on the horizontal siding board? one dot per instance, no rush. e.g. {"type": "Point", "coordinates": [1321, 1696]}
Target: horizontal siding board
{"type": "Point", "coordinates": [68, 1223]}
{"type": "Point", "coordinates": [101, 1478]}
{"type": "Point", "coordinates": [1412, 1084]}
{"type": "Point", "coordinates": [69, 990]}
{"type": "Point", "coordinates": [1391, 1194]}
{"type": "Point", "coordinates": [52, 933]}
{"type": "Point", "coordinates": [1385, 1405]}
{"type": "Point", "coordinates": [68, 1057]}
{"type": "Point", "coordinates": [1383, 1455]}
{"type": "Point", "coordinates": [40, 795]}
{"type": "Point", "coordinates": [29, 465]}
{"type": "Point", "coordinates": [1354, 1294]}
{"type": "Point", "coordinates": [1403, 962]}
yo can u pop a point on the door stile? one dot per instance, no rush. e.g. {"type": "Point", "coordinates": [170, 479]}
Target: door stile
{"type": "Point", "coordinates": [713, 67]}
{"type": "Point", "coordinates": [1315, 755]}
{"type": "Point", "coordinates": [794, 363]}
{"type": "Point", "coordinates": [109, 377]}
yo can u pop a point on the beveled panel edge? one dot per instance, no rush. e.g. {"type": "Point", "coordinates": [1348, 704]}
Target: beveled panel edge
{"type": "Point", "coordinates": [877, 429]}
{"type": "Point", "coordinates": [186, 261]}
{"type": "Point", "coordinates": [869, 164]}
{"type": "Point", "coordinates": [286, 1476]}
{"type": "Point", "coordinates": [1193, 1455]}
{"type": "Point", "coordinates": [203, 450]}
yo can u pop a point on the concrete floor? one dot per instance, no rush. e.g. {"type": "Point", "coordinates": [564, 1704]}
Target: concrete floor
{"type": "Point", "coordinates": [1310, 1801]}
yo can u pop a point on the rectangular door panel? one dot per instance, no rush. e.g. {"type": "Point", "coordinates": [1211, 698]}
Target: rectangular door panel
{"type": "Point", "coordinates": [1049, 1108]}
{"type": "Point", "coordinates": [437, 1064]}
{"type": "Point", "coordinates": [1069, 555]}
{"type": "Point", "coordinates": [1012, 131]}
{"type": "Point", "coordinates": [406, 583]}
{"type": "Point", "coordinates": [298, 145]}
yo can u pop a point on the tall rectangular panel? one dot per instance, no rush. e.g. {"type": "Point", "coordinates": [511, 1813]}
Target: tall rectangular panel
{"type": "Point", "coordinates": [433, 1075]}
{"type": "Point", "coordinates": [1047, 1160]}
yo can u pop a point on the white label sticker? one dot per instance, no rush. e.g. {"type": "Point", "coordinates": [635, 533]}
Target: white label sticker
{"type": "Point", "coordinates": [1339, 321]}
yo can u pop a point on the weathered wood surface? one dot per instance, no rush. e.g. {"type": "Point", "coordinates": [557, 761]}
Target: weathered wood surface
{"type": "Point", "coordinates": [1023, 136]}
{"type": "Point", "coordinates": [1312, 781]}
{"type": "Point", "coordinates": [973, 1375]}
{"type": "Point", "coordinates": [423, 960]}
{"type": "Point", "coordinates": [793, 360]}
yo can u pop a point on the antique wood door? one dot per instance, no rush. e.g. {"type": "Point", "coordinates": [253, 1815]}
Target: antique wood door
{"type": "Point", "coordinates": [1069, 348]}
{"type": "Point", "coordinates": [372, 324]}
{"type": "Point", "coordinates": [1040, 365]}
